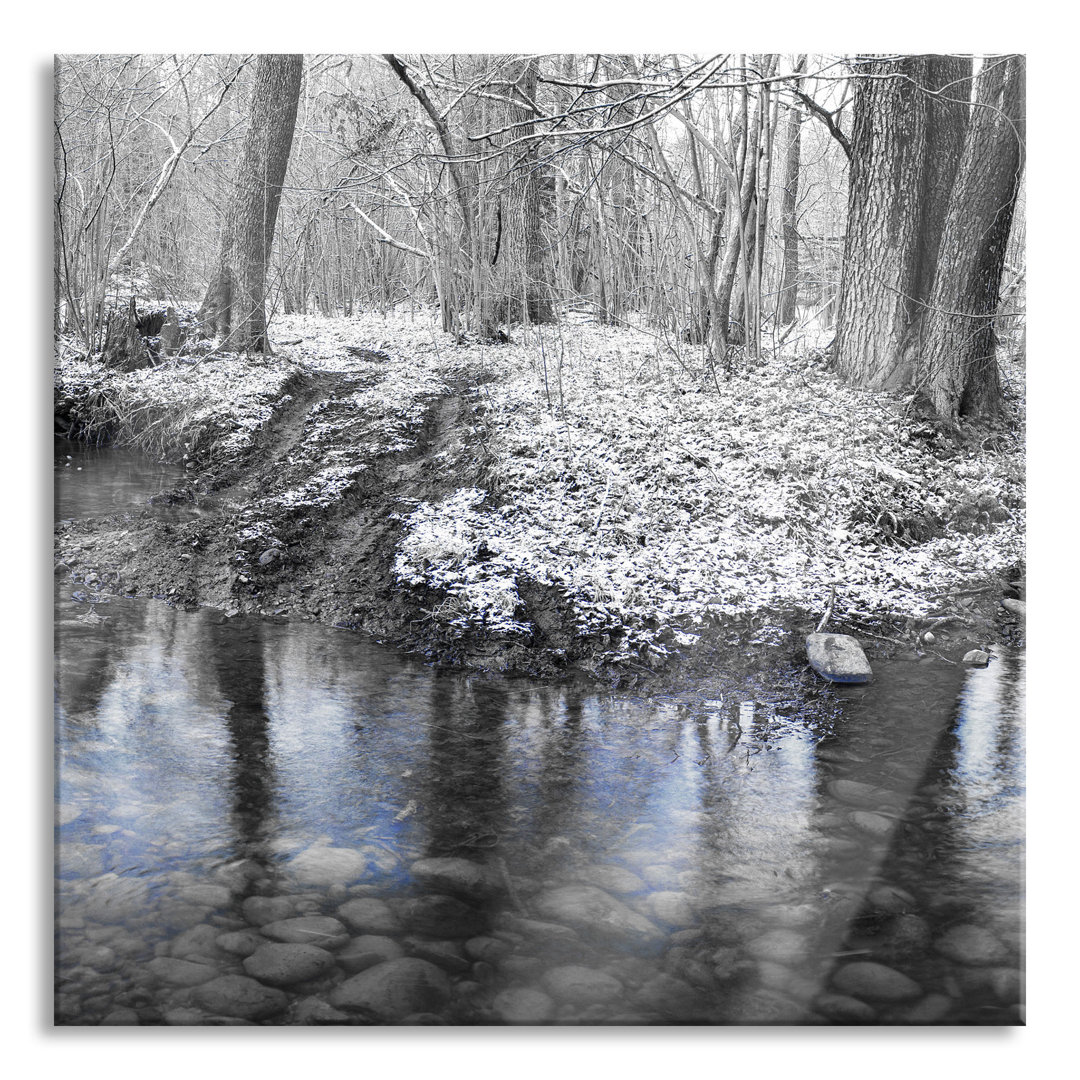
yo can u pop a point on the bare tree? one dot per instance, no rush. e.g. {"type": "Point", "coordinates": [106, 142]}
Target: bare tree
{"type": "Point", "coordinates": [235, 304]}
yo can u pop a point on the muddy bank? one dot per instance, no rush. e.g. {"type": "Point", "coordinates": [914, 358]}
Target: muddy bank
{"type": "Point", "coordinates": [381, 491]}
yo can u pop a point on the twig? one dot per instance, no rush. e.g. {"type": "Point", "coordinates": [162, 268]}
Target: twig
{"type": "Point", "coordinates": [828, 611]}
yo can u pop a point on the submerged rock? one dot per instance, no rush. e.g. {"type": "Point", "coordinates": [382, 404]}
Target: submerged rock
{"type": "Point", "coordinates": [592, 911]}
{"type": "Point", "coordinates": [322, 930]}
{"type": "Point", "coordinates": [367, 915]}
{"type": "Point", "coordinates": [394, 989]}
{"type": "Point", "coordinates": [282, 964]}
{"type": "Point", "coordinates": [970, 944]}
{"type": "Point", "coordinates": [523, 1005]}
{"type": "Point", "coordinates": [459, 877]}
{"type": "Point", "coordinates": [366, 951]}
{"type": "Point", "coordinates": [442, 916]}
{"type": "Point", "coordinates": [580, 985]}
{"type": "Point", "coordinates": [242, 997]}
{"type": "Point", "coordinates": [875, 982]}
{"type": "Point", "coordinates": [177, 972]}
{"type": "Point", "coordinates": [322, 865]}
{"type": "Point", "coordinates": [267, 909]}
{"type": "Point", "coordinates": [611, 878]}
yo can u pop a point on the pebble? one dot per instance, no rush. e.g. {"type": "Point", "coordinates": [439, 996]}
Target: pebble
{"type": "Point", "coordinates": [449, 955]}
{"type": "Point", "coordinates": [668, 908]}
{"type": "Point", "coordinates": [591, 910]}
{"type": "Point", "coordinates": [180, 972]}
{"type": "Point", "coordinates": [459, 877]}
{"type": "Point", "coordinates": [932, 1009]}
{"type": "Point", "coordinates": [240, 942]}
{"type": "Point", "coordinates": [311, 1011]}
{"type": "Point", "coordinates": [674, 999]}
{"type": "Point", "coordinates": [282, 964]}
{"type": "Point", "coordinates": [875, 982]}
{"type": "Point", "coordinates": [198, 943]}
{"type": "Point", "coordinates": [395, 989]}
{"type": "Point", "coordinates": [976, 658]}
{"type": "Point", "coordinates": [872, 824]}
{"type": "Point", "coordinates": [613, 879]}
{"type": "Point", "coordinates": [366, 951]}
{"type": "Point", "coordinates": [241, 996]}
{"type": "Point", "coordinates": [366, 915]}
{"type": "Point", "coordinates": [971, 944]}
{"type": "Point", "coordinates": [442, 916]}
{"type": "Point", "coordinates": [267, 909]}
{"type": "Point", "coordinates": [211, 895]}
{"type": "Point", "coordinates": [322, 865]}
{"type": "Point", "coordinates": [890, 900]}
{"type": "Point", "coordinates": [523, 1005]}
{"type": "Point", "coordinates": [121, 1018]}
{"type": "Point", "coordinates": [781, 946]}
{"type": "Point", "coordinates": [322, 930]}
{"type": "Point", "coordinates": [580, 985]}
{"type": "Point", "coordinates": [844, 1010]}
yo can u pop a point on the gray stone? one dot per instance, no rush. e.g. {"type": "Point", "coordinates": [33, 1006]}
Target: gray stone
{"type": "Point", "coordinates": [872, 824]}
{"type": "Point", "coordinates": [198, 943]}
{"type": "Point", "coordinates": [180, 972]}
{"type": "Point", "coordinates": [122, 1017]}
{"type": "Point", "coordinates": [394, 990]}
{"type": "Point", "coordinates": [932, 1009]}
{"type": "Point", "coordinates": [780, 946]}
{"type": "Point", "coordinates": [267, 909]}
{"type": "Point", "coordinates": [668, 908]}
{"type": "Point", "coordinates": [890, 900]}
{"type": "Point", "coordinates": [459, 877]}
{"type": "Point", "coordinates": [976, 658]}
{"type": "Point", "coordinates": [523, 1005]}
{"type": "Point", "coordinates": [1015, 607]}
{"type": "Point", "coordinates": [321, 865]}
{"type": "Point", "coordinates": [902, 936]}
{"type": "Point", "coordinates": [580, 985]}
{"type": "Point", "coordinates": [240, 942]}
{"type": "Point", "coordinates": [322, 930]}
{"type": "Point", "coordinates": [366, 951]}
{"type": "Point", "coordinates": [366, 915]}
{"type": "Point", "coordinates": [66, 813]}
{"type": "Point", "coordinates": [241, 996]}
{"type": "Point", "coordinates": [99, 957]}
{"type": "Point", "coordinates": [875, 982]}
{"type": "Point", "coordinates": [864, 796]}
{"type": "Point", "coordinates": [838, 658]}
{"type": "Point", "coordinates": [612, 879]}
{"type": "Point", "coordinates": [282, 964]}
{"type": "Point", "coordinates": [971, 944]}
{"type": "Point", "coordinates": [486, 948]}
{"type": "Point", "coordinates": [449, 955]}
{"type": "Point", "coordinates": [549, 936]}
{"type": "Point", "coordinates": [442, 916]}
{"type": "Point", "coordinates": [674, 999]}
{"type": "Point", "coordinates": [79, 860]}
{"type": "Point", "coordinates": [844, 1010]}
{"type": "Point", "coordinates": [313, 1011]}
{"type": "Point", "coordinates": [592, 911]}
{"type": "Point", "coordinates": [210, 895]}
{"type": "Point", "coordinates": [661, 876]}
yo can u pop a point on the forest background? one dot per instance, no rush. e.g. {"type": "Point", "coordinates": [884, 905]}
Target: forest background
{"type": "Point", "coordinates": [1040, 31]}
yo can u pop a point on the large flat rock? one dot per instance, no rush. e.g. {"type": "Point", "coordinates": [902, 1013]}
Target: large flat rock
{"type": "Point", "coordinates": [838, 658]}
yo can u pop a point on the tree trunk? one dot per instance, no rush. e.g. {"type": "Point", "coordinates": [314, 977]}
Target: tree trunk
{"type": "Point", "coordinates": [789, 221]}
{"type": "Point", "coordinates": [234, 308]}
{"type": "Point", "coordinates": [957, 354]}
{"type": "Point", "coordinates": [906, 146]}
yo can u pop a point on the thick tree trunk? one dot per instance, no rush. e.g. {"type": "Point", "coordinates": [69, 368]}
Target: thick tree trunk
{"type": "Point", "coordinates": [906, 146]}
{"type": "Point", "coordinates": [235, 305]}
{"type": "Point", "coordinates": [523, 278]}
{"type": "Point", "coordinates": [789, 222]}
{"type": "Point", "coordinates": [958, 341]}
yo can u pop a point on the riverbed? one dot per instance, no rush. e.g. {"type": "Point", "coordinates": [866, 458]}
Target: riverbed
{"type": "Point", "coordinates": [264, 821]}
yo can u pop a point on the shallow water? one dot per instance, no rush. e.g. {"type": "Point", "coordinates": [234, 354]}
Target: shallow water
{"type": "Point", "coordinates": [743, 861]}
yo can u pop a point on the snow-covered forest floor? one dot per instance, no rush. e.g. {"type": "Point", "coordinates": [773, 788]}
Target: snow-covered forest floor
{"type": "Point", "coordinates": [660, 502]}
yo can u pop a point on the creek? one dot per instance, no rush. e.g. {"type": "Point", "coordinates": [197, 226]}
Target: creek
{"type": "Point", "coordinates": [265, 821]}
